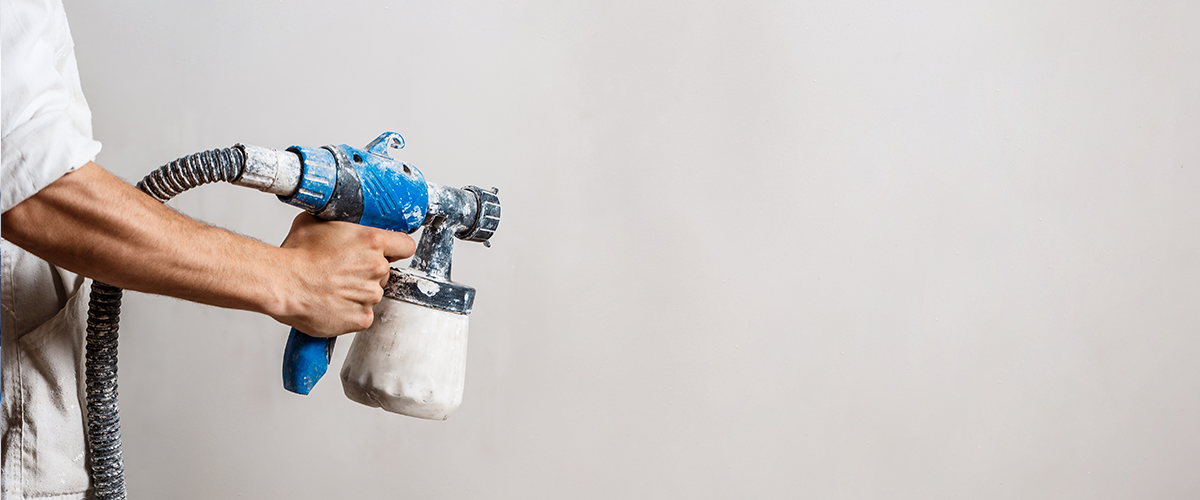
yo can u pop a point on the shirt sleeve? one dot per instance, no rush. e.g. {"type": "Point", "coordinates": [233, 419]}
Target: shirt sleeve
{"type": "Point", "coordinates": [45, 123]}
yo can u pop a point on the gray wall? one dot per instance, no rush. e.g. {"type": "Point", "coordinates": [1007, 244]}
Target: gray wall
{"type": "Point", "coordinates": [757, 250]}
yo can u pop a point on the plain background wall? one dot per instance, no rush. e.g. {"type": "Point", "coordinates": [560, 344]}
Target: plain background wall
{"type": "Point", "coordinates": [863, 249]}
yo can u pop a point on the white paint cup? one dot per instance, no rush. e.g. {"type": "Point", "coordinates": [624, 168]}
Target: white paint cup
{"type": "Point", "coordinates": [411, 361]}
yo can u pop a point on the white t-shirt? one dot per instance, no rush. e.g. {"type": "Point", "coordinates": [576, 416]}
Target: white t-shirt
{"type": "Point", "coordinates": [45, 133]}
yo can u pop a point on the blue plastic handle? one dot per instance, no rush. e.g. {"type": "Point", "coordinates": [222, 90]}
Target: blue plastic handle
{"type": "Point", "coordinates": [305, 360]}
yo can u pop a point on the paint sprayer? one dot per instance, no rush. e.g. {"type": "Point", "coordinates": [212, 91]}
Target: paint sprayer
{"type": "Point", "coordinates": [412, 359]}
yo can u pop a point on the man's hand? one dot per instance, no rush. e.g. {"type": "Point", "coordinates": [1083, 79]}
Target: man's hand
{"type": "Point", "coordinates": [323, 281]}
{"type": "Point", "coordinates": [339, 270]}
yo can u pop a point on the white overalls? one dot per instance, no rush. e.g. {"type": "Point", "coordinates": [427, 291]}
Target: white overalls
{"type": "Point", "coordinates": [45, 132]}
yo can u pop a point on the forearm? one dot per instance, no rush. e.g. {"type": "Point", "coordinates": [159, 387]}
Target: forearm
{"type": "Point", "coordinates": [324, 279]}
{"type": "Point", "coordinates": [95, 224]}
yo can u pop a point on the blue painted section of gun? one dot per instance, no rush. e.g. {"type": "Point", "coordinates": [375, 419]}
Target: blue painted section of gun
{"type": "Point", "coordinates": [305, 360]}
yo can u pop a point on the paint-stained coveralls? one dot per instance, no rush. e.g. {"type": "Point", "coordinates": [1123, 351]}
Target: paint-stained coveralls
{"type": "Point", "coordinates": [45, 132]}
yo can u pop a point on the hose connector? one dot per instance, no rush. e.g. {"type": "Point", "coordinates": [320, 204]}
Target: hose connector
{"type": "Point", "coordinates": [270, 171]}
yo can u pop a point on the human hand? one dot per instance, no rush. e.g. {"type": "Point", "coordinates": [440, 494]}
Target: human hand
{"type": "Point", "coordinates": [333, 274]}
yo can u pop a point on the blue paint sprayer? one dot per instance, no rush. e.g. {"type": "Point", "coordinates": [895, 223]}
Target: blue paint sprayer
{"type": "Point", "coordinates": [368, 187]}
{"type": "Point", "coordinates": [411, 361]}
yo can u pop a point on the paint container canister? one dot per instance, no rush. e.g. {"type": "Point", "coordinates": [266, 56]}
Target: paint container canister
{"type": "Point", "coordinates": [411, 361]}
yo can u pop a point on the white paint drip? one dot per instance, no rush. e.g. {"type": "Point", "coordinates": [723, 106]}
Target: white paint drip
{"type": "Point", "coordinates": [428, 287]}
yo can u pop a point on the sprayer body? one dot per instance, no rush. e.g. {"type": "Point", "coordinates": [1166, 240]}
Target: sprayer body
{"type": "Point", "coordinates": [415, 365]}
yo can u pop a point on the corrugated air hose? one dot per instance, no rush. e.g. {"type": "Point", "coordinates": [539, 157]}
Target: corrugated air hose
{"type": "Point", "coordinates": [104, 311]}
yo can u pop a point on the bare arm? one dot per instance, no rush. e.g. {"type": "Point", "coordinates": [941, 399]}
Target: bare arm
{"type": "Point", "coordinates": [324, 279]}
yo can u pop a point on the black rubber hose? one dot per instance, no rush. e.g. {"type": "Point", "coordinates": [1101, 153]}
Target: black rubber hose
{"type": "Point", "coordinates": [104, 425]}
{"type": "Point", "coordinates": [194, 170]}
{"type": "Point", "coordinates": [104, 311]}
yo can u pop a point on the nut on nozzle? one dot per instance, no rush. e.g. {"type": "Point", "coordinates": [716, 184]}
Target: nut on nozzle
{"type": "Point", "coordinates": [487, 216]}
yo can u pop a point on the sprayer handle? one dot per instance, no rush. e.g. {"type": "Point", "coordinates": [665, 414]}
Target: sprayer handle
{"type": "Point", "coordinates": [305, 360]}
